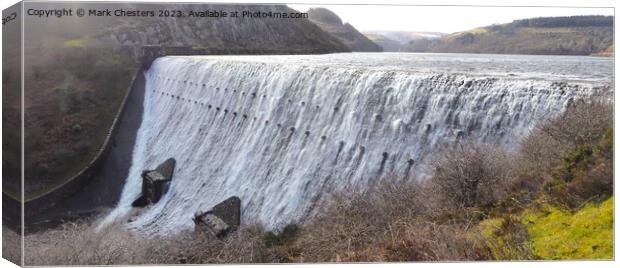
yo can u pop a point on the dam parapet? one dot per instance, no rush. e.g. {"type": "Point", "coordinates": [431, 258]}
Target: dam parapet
{"type": "Point", "coordinates": [151, 52]}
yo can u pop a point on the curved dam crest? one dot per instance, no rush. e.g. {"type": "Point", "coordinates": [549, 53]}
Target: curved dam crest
{"type": "Point", "coordinates": [281, 136]}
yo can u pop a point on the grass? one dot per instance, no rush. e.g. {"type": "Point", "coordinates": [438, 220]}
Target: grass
{"type": "Point", "coordinates": [481, 30]}
{"type": "Point", "coordinates": [505, 238]}
{"type": "Point", "coordinates": [74, 43]}
{"type": "Point", "coordinates": [552, 233]}
{"type": "Point", "coordinates": [490, 230]}
{"type": "Point", "coordinates": [557, 234]}
{"type": "Point", "coordinates": [374, 37]}
{"type": "Point", "coordinates": [544, 30]}
{"type": "Point", "coordinates": [79, 243]}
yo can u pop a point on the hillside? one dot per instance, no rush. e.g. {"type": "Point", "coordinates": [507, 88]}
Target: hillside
{"type": "Point", "coordinates": [346, 33]}
{"type": "Point", "coordinates": [392, 41]}
{"type": "Point", "coordinates": [387, 44]}
{"type": "Point", "coordinates": [576, 35]}
{"type": "Point", "coordinates": [286, 35]}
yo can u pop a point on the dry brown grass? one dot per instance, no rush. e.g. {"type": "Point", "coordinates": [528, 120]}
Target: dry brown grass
{"type": "Point", "coordinates": [79, 243]}
{"type": "Point", "coordinates": [391, 222]}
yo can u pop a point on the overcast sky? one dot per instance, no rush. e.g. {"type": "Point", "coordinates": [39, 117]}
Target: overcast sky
{"type": "Point", "coordinates": [446, 19]}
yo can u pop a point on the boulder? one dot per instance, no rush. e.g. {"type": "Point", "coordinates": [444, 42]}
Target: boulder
{"type": "Point", "coordinates": [155, 183]}
{"type": "Point", "coordinates": [221, 220]}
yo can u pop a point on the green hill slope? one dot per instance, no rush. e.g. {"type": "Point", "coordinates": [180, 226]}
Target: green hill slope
{"type": "Point", "coordinates": [576, 35]}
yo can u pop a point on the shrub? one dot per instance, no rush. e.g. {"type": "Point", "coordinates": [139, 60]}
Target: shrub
{"type": "Point", "coordinates": [470, 175]}
{"type": "Point", "coordinates": [606, 147]}
{"type": "Point", "coordinates": [590, 172]}
{"type": "Point", "coordinates": [569, 157]}
{"type": "Point", "coordinates": [281, 246]}
{"type": "Point", "coordinates": [575, 161]}
{"type": "Point", "coordinates": [539, 152]}
{"type": "Point", "coordinates": [286, 236]}
{"type": "Point", "coordinates": [354, 221]}
{"type": "Point", "coordinates": [392, 221]}
{"type": "Point", "coordinates": [428, 241]}
{"type": "Point", "coordinates": [585, 173]}
{"type": "Point", "coordinates": [595, 183]}
{"type": "Point", "coordinates": [583, 123]}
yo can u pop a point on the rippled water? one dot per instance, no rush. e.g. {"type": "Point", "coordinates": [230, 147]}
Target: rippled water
{"type": "Point", "coordinates": [558, 68]}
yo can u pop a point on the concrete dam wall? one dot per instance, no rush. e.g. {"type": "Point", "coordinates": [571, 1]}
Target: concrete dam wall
{"type": "Point", "coordinates": [283, 132]}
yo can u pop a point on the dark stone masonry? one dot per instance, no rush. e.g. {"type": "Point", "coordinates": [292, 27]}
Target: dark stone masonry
{"type": "Point", "coordinates": [155, 183]}
{"type": "Point", "coordinates": [221, 220]}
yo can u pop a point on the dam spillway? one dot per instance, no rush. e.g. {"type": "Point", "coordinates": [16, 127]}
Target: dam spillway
{"type": "Point", "coordinates": [282, 132]}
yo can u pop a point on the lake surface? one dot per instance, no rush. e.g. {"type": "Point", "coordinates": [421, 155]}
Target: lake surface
{"type": "Point", "coordinates": [569, 68]}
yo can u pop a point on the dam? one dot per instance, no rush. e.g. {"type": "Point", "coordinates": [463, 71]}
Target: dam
{"type": "Point", "coordinates": [283, 132]}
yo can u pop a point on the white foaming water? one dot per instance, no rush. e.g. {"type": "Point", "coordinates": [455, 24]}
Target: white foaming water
{"type": "Point", "coordinates": [281, 132]}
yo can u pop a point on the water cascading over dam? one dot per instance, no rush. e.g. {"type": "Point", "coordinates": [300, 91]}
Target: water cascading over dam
{"type": "Point", "coordinates": [281, 132]}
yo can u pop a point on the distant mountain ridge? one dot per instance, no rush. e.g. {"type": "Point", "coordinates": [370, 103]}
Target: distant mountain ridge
{"type": "Point", "coordinates": [574, 35]}
{"type": "Point", "coordinates": [392, 41]}
{"type": "Point", "coordinates": [406, 36]}
{"type": "Point", "coordinates": [329, 22]}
